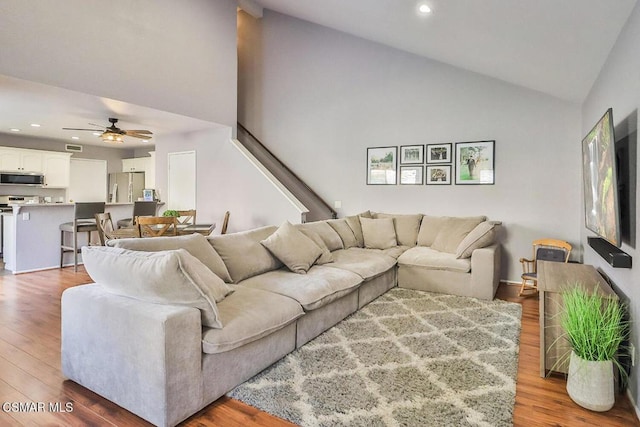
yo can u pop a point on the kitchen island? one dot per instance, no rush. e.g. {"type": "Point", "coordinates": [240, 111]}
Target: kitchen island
{"type": "Point", "coordinates": [31, 234]}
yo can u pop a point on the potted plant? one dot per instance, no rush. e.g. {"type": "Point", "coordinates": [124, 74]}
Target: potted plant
{"type": "Point", "coordinates": [171, 212]}
{"type": "Point", "coordinates": [595, 326]}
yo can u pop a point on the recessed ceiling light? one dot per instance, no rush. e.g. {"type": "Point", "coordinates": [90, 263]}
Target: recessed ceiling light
{"type": "Point", "coordinates": [35, 125]}
{"type": "Point", "coordinates": [97, 133]}
{"type": "Point", "coordinates": [75, 137]}
{"type": "Point", "coordinates": [424, 9]}
{"type": "Point", "coordinates": [14, 130]}
{"type": "Point", "coordinates": [145, 140]}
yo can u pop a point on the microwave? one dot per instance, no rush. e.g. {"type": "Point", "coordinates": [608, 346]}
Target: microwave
{"type": "Point", "coordinates": [24, 178]}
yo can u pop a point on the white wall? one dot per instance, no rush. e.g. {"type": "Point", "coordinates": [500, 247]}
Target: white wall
{"type": "Point", "coordinates": [226, 180]}
{"type": "Point", "coordinates": [618, 86]}
{"type": "Point", "coordinates": [318, 98]}
{"type": "Point", "coordinates": [172, 56]}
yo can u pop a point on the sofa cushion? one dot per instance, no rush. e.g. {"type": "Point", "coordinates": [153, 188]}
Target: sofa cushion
{"type": "Point", "coordinates": [294, 249]}
{"type": "Point", "coordinates": [243, 254]}
{"type": "Point", "coordinates": [166, 277]}
{"type": "Point", "coordinates": [453, 231]}
{"type": "Point", "coordinates": [480, 237]}
{"type": "Point", "coordinates": [406, 226]}
{"type": "Point", "coordinates": [354, 223]}
{"type": "Point", "coordinates": [365, 263]}
{"type": "Point", "coordinates": [429, 229]}
{"type": "Point", "coordinates": [326, 256]}
{"type": "Point", "coordinates": [330, 237]}
{"type": "Point", "coordinates": [196, 244]}
{"type": "Point", "coordinates": [393, 252]}
{"type": "Point", "coordinates": [378, 233]}
{"type": "Point", "coordinates": [344, 231]}
{"type": "Point", "coordinates": [421, 256]}
{"type": "Point", "coordinates": [320, 286]}
{"type": "Point", "coordinates": [248, 315]}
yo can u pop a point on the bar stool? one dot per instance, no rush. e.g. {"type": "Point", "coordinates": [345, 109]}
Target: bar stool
{"type": "Point", "coordinates": [139, 209]}
{"type": "Point", "coordinates": [83, 220]}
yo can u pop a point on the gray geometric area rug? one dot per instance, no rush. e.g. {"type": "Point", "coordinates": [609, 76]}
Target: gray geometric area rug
{"type": "Point", "coordinates": [409, 358]}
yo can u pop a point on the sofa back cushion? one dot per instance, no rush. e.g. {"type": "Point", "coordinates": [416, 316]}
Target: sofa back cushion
{"type": "Point", "coordinates": [344, 231]}
{"type": "Point", "coordinates": [166, 277]}
{"type": "Point", "coordinates": [480, 237]}
{"type": "Point", "coordinates": [243, 254]}
{"type": "Point", "coordinates": [453, 231]}
{"type": "Point", "coordinates": [196, 244]}
{"type": "Point", "coordinates": [378, 233]}
{"type": "Point", "coordinates": [429, 229]}
{"type": "Point", "coordinates": [406, 226]}
{"type": "Point", "coordinates": [294, 249]}
{"type": "Point", "coordinates": [354, 223]}
{"type": "Point", "coordinates": [330, 237]}
{"type": "Point", "coordinates": [326, 256]}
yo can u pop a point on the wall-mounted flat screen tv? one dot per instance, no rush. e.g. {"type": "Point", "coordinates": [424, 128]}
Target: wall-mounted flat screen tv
{"type": "Point", "coordinates": [599, 170]}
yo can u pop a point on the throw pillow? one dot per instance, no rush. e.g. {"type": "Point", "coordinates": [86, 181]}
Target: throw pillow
{"type": "Point", "coordinates": [378, 233]}
{"type": "Point", "coordinates": [294, 249]}
{"type": "Point", "coordinates": [407, 227]}
{"type": "Point", "coordinates": [167, 277]}
{"type": "Point", "coordinates": [196, 244]}
{"type": "Point", "coordinates": [453, 231]}
{"type": "Point", "coordinates": [354, 224]}
{"type": "Point", "coordinates": [344, 231]}
{"type": "Point", "coordinates": [329, 236]}
{"type": "Point", "coordinates": [326, 256]}
{"type": "Point", "coordinates": [243, 254]}
{"type": "Point", "coordinates": [480, 237]}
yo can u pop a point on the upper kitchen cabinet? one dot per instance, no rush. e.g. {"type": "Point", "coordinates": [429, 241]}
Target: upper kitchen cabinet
{"type": "Point", "coordinates": [57, 169]}
{"type": "Point", "coordinates": [143, 164]}
{"type": "Point", "coordinates": [18, 160]}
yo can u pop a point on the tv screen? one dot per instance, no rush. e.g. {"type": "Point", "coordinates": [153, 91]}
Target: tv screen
{"type": "Point", "coordinates": [599, 172]}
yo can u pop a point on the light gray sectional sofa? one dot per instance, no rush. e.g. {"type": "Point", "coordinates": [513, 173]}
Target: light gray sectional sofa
{"type": "Point", "coordinates": [174, 323]}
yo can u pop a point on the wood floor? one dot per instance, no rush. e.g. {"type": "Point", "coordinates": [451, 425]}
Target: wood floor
{"type": "Point", "coordinates": [30, 370]}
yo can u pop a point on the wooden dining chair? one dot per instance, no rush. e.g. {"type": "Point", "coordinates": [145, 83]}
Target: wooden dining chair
{"type": "Point", "coordinates": [156, 226]}
{"type": "Point", "coordinates": [187, 217]}
{"type": "Point", "coordinates": [543, 250]}
{"type": "Point", "coordinates": [106, 231]}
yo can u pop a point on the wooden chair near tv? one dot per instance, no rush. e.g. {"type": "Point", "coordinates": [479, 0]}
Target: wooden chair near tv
{"type": "Point", "coordinates": [543, 250]}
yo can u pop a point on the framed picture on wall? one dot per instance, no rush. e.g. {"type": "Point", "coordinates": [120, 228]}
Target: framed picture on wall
{"type": "Point", "coordinates": [411, 175]}
{"type": "Point", "coordinates": [475, 162]}
{"type": "Point", "coordinates": [382, 163]}
{"type": "Point", "coordinates": [439, 153]}
{"type": "Point", "coordinates": [439, 175]}
{"type": "Point", "coordinates": [411, 154]}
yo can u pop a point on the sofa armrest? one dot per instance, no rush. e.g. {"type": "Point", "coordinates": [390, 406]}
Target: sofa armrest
{"type": "Point", "coordinates": [144, 357]}
{"type": "Point", "coordinates": [485, 271]}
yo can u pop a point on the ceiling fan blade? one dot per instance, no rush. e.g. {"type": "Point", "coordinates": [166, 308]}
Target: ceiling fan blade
{"type": "Point", "coordinates": [135, 135]}
{"type": "Point", "coordinates": [90, 130]}
{"type": "Point", "coordinates": [139, 131]}
{"type": "Point", "coordinates": [99, 126]}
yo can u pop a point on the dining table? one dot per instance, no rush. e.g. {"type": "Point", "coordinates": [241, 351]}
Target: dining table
{"type": "Point", "coordinates": [204, 229]}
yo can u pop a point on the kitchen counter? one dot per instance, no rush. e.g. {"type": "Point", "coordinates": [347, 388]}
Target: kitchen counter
{"type": "Point", "coordinates": [32, 234]}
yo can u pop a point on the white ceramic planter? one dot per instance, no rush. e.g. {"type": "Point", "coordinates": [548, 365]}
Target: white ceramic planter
{"type": "Point", "coordinates": [590, 384]}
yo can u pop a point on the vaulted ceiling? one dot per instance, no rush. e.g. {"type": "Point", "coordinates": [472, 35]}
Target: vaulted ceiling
{"type": "Point", "coordinates": [554, 46]}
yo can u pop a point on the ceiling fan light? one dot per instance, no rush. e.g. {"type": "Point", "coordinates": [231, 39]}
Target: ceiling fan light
{"type": "Point", "coordinates": [112, 137]}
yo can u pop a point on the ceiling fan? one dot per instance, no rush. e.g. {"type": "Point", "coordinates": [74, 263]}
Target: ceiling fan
{"type": "Point", "coordinates": [115, 134]}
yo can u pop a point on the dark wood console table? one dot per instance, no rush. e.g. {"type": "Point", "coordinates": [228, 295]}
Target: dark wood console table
{"type": "Point", "coordinates": [554, 277]}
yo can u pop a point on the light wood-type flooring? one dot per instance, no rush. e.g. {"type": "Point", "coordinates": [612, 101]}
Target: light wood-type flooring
{"type": "Point", "coordinates": [30, 369]}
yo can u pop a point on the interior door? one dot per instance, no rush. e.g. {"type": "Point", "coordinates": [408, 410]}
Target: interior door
{"type": "Point", "coordinates": [182, 180]}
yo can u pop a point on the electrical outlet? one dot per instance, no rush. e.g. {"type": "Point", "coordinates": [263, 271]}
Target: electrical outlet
{"type": "Point", "coordinates": [632, 353]}
{"type": "Point", "coordinates": [26, 216]}
{"type": "Point", "coordinates": [337, 204]}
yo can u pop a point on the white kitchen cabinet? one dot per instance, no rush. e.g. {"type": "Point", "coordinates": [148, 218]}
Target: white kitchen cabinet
{"type": "Point", "coordinates": [138, 164]}
{"type": "Point", "coordinates": [18, 160]}
{"type": "Point", "coordinates": [57, 169]}
{"type": "Point", "coordinates": [143, 164]}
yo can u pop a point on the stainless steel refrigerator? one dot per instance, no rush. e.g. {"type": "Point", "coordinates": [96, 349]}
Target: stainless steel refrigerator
{"type": "Point", "coordinates": [125, 187]}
